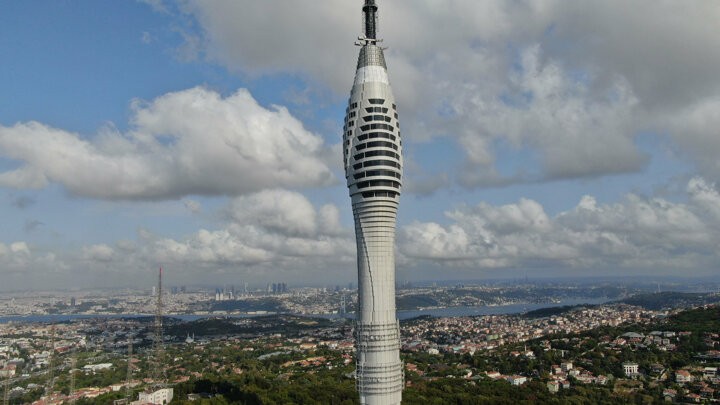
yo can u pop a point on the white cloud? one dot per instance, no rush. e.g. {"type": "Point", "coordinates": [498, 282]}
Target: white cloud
{"type": "Point", "coordinates": [18, 258]}
{"type": "Point", "coordinates": [280, 234]}
{"type": "Point", "coordinates": [271, 234]}
{"type": "Point", "coordinates": [187, 142]}
{"type": "Point", "coordinates": [695, 129]}
{"type": "Point", "coordinates": [273, 230]}
{"type": "Point", "coordinates": [99, 253]}
{"type": "Point", "coordinates": [639, 234]}
{"type": "Point", "coordinates": [573, 83]}
{"type": "Point", "coordinates": [573, 133]}
{"type": "Point", "coordinates": [19, 248]}
{"type": "Point", "coordinates": [279, 211]}
{"type": "Point", "coordinates": [705, 198]}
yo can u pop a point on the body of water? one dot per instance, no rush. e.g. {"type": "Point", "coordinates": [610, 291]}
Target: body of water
{"type": "Point", "coordinates": [493, 310]}
{"type": "Point", "coordinates": [402, 315]}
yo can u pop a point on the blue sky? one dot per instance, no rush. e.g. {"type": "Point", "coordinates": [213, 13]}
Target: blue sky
{"type": "Point", "coordinates": [540, 137]}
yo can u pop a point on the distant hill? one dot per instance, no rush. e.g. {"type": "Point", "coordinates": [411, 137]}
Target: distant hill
{"type": "Point", "coordinates": [670, 300]}
{"type": "Point", "coordinates": [415, 301]}
{"type": "Point", "coordinates": [546, 312]}
{"type": "Point", "coordinates": [285, 324]}
{"type": "Point", "coordinates": [264, 304]}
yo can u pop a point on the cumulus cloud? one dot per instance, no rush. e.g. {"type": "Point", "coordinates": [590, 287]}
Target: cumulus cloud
{"type": "Point", "coordinates": [572, 133]}
{"type": "Point", "coordinates": [280, 233]}
{"type": "Point", "coordinates": [279, 211]}
{"type": "Point", "coordinates": [571, 83]}
{"type": "Point", "coordinates": [100, 253]}
{"type": "Point", "coordinates": [272, 232]}
{"type": "Point", "coordinates": [15, 257]}
{"type": "Point", "coordinates": [695, 129]}
{"type": "Point", "coordinates": [19, 248]}
{"type": "Point", "coordinates": [188, 142]}
{"type": "Point", "coordinates": [268, 227]}
{"type": "Point", "coordinates": [639, 233]}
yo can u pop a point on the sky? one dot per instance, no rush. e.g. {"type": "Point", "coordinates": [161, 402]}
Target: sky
{"type": "Point", "coordinates": [541, 137]}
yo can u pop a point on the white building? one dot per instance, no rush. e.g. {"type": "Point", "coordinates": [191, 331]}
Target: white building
{"type": "Point", "coordinates": [553, 386]}
{"type": "Point", "coordinates": [683, 376]}
{"type": "Point", "coordinates": [516, 379]}
{"type": "Point", "coordinates": [159, 397]}
{"type": "Point", "coordinates": [631, 369]}
{"type": "Point", "coordinates": [97, 367]}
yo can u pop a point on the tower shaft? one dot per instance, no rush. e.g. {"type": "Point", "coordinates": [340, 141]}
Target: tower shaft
{"type": "Point", "coordinates": [372, 151]}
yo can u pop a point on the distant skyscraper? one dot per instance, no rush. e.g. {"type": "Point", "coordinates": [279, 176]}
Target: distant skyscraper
{"type": "Point", "coordinates": [372, 154]}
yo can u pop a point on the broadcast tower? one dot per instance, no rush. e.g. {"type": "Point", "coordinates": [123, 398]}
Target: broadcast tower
{"type": "Point", "coordinates": [372, 154]}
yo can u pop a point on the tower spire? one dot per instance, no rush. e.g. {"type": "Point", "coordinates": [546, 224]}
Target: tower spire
{"type": "Point", "coordinates": [370, 18]}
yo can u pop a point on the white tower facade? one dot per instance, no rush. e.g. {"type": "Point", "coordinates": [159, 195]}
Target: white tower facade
{"type": "Point", "coordinates": [372, 155]}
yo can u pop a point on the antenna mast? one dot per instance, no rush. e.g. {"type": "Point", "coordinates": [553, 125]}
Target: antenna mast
{"type": "Point", "coordinates": [129, 369]}
{"type": "Point", "coordinates": [370, 19]}
{"type": "Point", "coordinates": [73, 364]}
{"type": "Point", "coordinates": [51, 360]}
{"type": "Point", "coordinates": [6, 393]}
{"type": "Point", "coordinates": [159, 352]}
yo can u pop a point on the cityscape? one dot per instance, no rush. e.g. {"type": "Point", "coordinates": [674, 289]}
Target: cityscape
{"type": "Point", "coordinates": [632, 343]}
{"type": "Point", "coordinates": [216, 202]}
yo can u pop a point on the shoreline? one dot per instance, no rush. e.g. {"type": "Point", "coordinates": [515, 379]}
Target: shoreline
{"type": "Point", "coordinates": [437, 312]}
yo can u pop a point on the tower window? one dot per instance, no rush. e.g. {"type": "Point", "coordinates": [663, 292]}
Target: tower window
{"type": "Point", "coordinates": [376, 101]}
{"type": "Point", "coordinates": [376, 118]}
{"type": "Point", "coordinates": [376, 144]}
{"type": "Point", "coordinates": [377, 153]}
{"type": "Point", "coordinates": [373, 173]}
{"type": "Point", "coordinates": [376, 135]}
{"type": "Point", "coordinates": [377, 126]}
{"type": "Point", "coordinates": [378, 183]}
{"type": "Point", "coordinates": [371, 194]}
{"type": "Point", "coordinates": [371, 163]}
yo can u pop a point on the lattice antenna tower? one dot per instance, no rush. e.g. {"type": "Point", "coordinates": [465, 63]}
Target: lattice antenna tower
{"type": "Point", "coordinates": [51, 361]}
{"type": "Point", "coordinates": [6, 393]}
{"type": "Point", "coordinates": [128, 391]}
{"type": "Point", "coordinates": [73, 364]}
{"type": "Point", "coordinates": [158, 371]}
